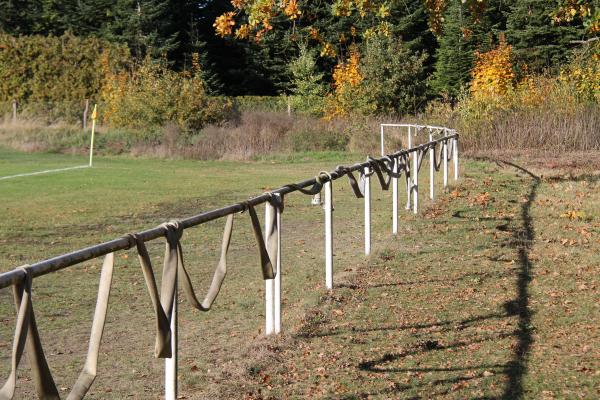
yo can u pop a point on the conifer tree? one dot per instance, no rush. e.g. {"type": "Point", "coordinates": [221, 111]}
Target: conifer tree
{"type": "Point", "coordinates": [537, 42]}
{"type": "Point", "coordinates": [455, 55]}
{"type": "Point", "coordinates": [144, 25]}
{"type": "Point", "coordinates": [463, 34]}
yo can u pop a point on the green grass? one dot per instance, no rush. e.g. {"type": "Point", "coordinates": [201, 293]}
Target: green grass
{"type": "Point", "coordinates": [12, 162]}
{"type": "Point", "coordinates": [480, 296]}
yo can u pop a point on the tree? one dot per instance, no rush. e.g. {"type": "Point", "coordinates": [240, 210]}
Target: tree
{"type": "Point", "coordinates": [391, 72]}
{"type": "Point", "coordinates": [463, 34]}
{"type": "Point", "coordinates": [455, 55]}
{"type": "Point", "coordinates": [307, 81]}
{"type": "Point", "coordinates": [537, 42]}
{"type": "Point", "coordinates": [144, 25]}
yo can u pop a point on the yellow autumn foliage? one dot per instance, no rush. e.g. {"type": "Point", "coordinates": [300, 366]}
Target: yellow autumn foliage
{"type": "Point", "coordinates": [493, 74]}
{"type": "Point", "coordinates": [346, 80]}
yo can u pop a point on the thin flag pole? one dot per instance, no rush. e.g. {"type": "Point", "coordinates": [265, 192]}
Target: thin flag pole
{"type": "Point", "coordinates": [94, 116]}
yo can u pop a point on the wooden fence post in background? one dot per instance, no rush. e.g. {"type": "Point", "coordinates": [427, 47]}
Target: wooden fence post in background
{"type": "Point", "coordinates": [14, 116]}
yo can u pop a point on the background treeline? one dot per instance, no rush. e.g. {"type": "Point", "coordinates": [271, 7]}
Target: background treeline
{"type": "Point", "coordinates": [176, 29]}
{"type": "Point", "coordinates": [157, 66]}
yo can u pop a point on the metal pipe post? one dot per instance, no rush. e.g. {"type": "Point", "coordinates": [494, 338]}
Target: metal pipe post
{"type": "Point", "coordinates": [445, 156]}
{"type": "Point", "coordinates": [328, 236]}
{"type": "Point", "coordinates": [171, 363]}
{"type": "Point", "coordinates": [94, 116]}
{"type": "Point", "coordinates": [415, 186]}
{"type": "Point", "coordinates": [269, 283]}
{"type": "Point", "coordinates": [408, 184]}
{"type": "Point", "coordinates": [395, 198]}
{"type": "Point", "coordinates": [455, 156]}
{"type": "Point", "coordinates": [382, 147]}
{"type": "Point", "coordinates": [367, 171]}
{"type": "Point", "coordinates": [278, 276]}
{"type": "Point", "coordinates": [431, 167]}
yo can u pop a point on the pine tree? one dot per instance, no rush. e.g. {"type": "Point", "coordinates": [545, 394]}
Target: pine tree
{"type": "Point", "coordinates": [463, 34]}
{"type": "Point", "coordinates": [537, 42]}
{"type": "Point", "coordinates": [144, 25]}
{"type": "Point", "coordinates": [455, 55]}
{"type": "Point", "coordinates": [410, 20]}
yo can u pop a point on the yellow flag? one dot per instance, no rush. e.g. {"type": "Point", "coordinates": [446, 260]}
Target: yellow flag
{"type": "Point", "coordinates": [94, 113]}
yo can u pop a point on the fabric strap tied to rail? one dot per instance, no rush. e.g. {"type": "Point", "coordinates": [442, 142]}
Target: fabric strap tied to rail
{"type": "Point", "coordinates": [26, 334]}
{"type": "Point", "coordinates": [358, 187]}
{"type": "Point", "coordinates": [450, 148]}
{"type": "Point", "coordinates": [437, 157]}
{"type": "Point", "coordinates": [174, 269]}
{"type": "Point", "coordinates": [314, 189]}
{"type": "Point", "coordinates": [173, 265]}
{"type": "Point", "coordinates": [88, 374]}
{"type": "Point", "coordinates": [377, 167]}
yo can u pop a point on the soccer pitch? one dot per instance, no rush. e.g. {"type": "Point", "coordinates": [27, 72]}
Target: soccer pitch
{"type": "Point", "coordinates": [457, 296]}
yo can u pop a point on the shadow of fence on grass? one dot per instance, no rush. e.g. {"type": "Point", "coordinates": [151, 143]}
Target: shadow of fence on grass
{"type": "Point", "coordinates": [521, 240]}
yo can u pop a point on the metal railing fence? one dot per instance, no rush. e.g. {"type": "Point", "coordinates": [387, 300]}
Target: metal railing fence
{"type": "Point", "coordinates": [165, 307]}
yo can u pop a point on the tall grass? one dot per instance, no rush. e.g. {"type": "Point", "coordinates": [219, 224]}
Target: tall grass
{"type": "Point", "coordinates": [536, 129]}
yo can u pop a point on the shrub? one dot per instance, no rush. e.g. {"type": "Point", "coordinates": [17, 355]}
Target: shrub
{"type": "Point", "coordinates": [152, 95]}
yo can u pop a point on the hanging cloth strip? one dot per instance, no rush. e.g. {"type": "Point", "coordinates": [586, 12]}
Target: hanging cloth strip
{"type": "Point", "coordinates": [386, 164]}
{"type": "Point", "coordinates": [378, 167]}
{"type": "Point", "coordinates": [314, 189]}
{"type": "Point", "coordinates": [450, 149]}
{"type": "Point", "coordinates": [174, 268]}
{"type": "Point", "coordinates": [358, 187]}
{"type": "Point", "coordinates": [437, 158]}
{"type": "Point", "coordinates": [420, 154]}
{"type": "Point", "coordinates": [88, 374]}
{"type": "Point", "coordinates": [26, 334]}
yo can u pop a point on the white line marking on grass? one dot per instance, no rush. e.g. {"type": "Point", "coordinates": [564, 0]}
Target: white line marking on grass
{"type": "Point", "coordinates": [43, 172]}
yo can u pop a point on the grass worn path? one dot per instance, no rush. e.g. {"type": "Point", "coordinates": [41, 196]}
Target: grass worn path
{"type": "Point", "coordinates": [492, 292]}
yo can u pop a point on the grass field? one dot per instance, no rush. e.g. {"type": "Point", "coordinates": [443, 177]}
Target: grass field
{"type": "Point", "coordinates": [491, 292]}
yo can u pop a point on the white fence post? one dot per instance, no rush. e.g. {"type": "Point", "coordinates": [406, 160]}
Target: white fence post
{"type": "Point", "coordinates": [395, 198]}
{"type": "Point", "coordinates": [328, 236]}
{"type": "Point", "coordinates": [408, 183]}
{"type": "Point", "coordinates": [278, 277]}
{"type": "Point", "coordinates": [431, 167]}
{"type": "Point", "coordinates": [445, 157]}
{"type": "Point", "coordinates": [455, 156]}
{"type": "Point", "coordinates": [269, 283]}
{"type": "Point", "coordinates": [171, 363]}
{"type": "Point", "coordinates": [415, 185]}
{"type": "Point", "coordinates": [367, 171]}
{"type": "Point", "coordinates": [382, 147]}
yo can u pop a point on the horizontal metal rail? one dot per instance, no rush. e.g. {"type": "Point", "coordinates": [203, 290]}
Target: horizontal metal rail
{"type": "Point", "coordinates": [418, 126]}
{"type": "Point", "coordinates": [89, 253]}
